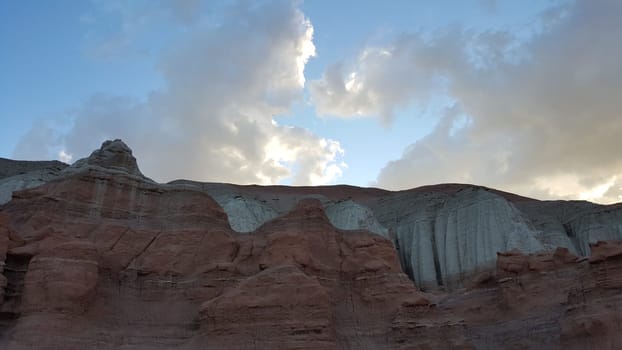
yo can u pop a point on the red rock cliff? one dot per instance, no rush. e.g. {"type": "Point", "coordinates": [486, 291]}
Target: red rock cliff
{"type": "Point", "coordinates": [102, 257]}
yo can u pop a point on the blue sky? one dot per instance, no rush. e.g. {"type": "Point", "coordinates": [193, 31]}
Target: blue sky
{"type": "Point", "coordinates": [517, 95]}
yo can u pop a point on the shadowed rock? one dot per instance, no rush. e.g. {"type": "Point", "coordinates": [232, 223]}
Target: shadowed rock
{"type": "Point", "coordinates": [17, 175]}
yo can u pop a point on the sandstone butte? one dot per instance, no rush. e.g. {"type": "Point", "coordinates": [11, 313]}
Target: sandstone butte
{"type": "Point", "coordinates": [97, 256]}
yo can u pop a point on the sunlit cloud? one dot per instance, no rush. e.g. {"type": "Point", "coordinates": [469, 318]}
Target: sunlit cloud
{"type": "Point", "coordinates": [64, 157]}
{"type": "Point", "coordinates": [523, 109]}
{"type": "Point", "coordinates": [214, 119]}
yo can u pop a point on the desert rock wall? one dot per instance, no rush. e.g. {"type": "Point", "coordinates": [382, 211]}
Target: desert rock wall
{"type": "Point", "coordinates": [443, 234]}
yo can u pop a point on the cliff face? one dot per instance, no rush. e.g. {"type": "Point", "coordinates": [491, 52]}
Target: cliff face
{"type": "Point", "coordinates": [102, 258]}
{"type": "Point", "coordinates": [17, 175]}
{"type": "Point", "coordinates": [99, 256]}
{"type": "Point", "coordinates": [444, 234]}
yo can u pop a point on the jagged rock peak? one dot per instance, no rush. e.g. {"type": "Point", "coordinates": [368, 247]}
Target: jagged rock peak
{"type": "Point", "coordinates": [113, 154]}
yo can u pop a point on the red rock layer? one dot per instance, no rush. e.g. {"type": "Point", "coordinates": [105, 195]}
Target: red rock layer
{"type": "Point", "coordinates": [548, 300]}
{"type": "Point", "coordinates": [103, 260]}
{"type": "Point", "coordinates": [95, 260]}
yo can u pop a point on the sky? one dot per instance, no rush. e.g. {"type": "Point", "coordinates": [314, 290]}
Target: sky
{"type": "Point", "coordinates": [522, 96]}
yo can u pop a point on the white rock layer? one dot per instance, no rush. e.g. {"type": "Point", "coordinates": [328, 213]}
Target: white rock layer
{"type": "Point", "coordinates": [31, 179]}
{"type": "Point", "coordinates": [598, 225]}
{"type": "Point", "coordinates": [472, 226]}
{"type": "Point", "coordinates": [444, 238]}
{"type": "Point", "coordinates": [349, 215]}
{"type": "Point", "coordinates": [245, 214]}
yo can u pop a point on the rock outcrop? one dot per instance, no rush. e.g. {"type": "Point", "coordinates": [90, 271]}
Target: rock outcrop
{"type": "Point", "coordinates": [96, 255]}
{"type": "Point", "coordinates": [17, 175]}
{"type": "Point", "coordinates": [103, 258]}
{"type": "Point", "coordinates": [246, 214]}
{"type": "Point", "coordinates": [113, 155]}
{"type": "Point", "coordinates": [349, 215]}
{"type": "Point", "coordinates": [445, 240]}
{"type": "Point", "coordinates": [444, 234]}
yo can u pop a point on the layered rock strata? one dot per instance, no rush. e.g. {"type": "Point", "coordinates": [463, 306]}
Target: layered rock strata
{"type": "Point", "coordinates": [444, 234]}
{"type": "Point", "coordinates": [96, 255]}
{"type": "Point", "coordinates": [102, 259]}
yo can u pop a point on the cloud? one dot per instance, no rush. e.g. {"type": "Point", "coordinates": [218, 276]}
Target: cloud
{"type": "Point", "coordinates": [42, 141]}
{"type": "Point", "coordinates": [379, 81]}
{"type": "Point", "coordinates": [186, 11]}
{"type": "Point", "coordinates": [214, 118]}
{"type": "Point", "coordinates": [539, 116]}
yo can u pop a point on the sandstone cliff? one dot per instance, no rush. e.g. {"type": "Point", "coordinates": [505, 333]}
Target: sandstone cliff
{"type": "Point", "coordinates": [96, 255]}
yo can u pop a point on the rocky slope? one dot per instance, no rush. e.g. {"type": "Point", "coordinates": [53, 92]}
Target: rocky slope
{"type": "Point", "coordinates": [444, 234]}
{"type": "Point", "coordinates": [17, 175]}
{"type": "Point", "coordinates": [96, 255]}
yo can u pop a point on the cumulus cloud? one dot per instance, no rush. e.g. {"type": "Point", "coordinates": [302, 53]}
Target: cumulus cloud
{"type": "Point", "coordinates": [539, 116]}
{"type": "Point", "coordinates": [382, 80]}
{"type": "Point", "coordinates": [214, 119]}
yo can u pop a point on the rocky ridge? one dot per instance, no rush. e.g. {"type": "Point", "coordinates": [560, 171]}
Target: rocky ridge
{"type": "Point", "coordinates": [444, 234]}
{"type": "Point", "coordinates": [99, 256]}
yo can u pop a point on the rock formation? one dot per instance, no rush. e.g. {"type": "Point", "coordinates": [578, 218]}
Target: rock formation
{"type": "Point", "coordinates": [96, 255]}
{"type": "Point", "coordinates": [17, 175]}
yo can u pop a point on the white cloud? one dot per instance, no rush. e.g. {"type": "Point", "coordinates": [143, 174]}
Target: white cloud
{"type": "Point", "coordinates": [64, 157]}
{"type": "Point", "coordinates": [543, 113]}
{"type": "Point", "coordinates": [214, 118]}
{"type": "Point", "coordinates": [376, 84]}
